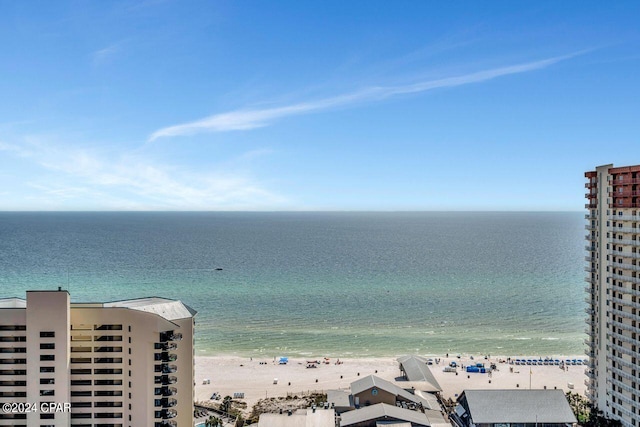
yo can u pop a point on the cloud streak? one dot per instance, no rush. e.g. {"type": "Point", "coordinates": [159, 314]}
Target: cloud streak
{"type": "Point", "coordinates": [254, 118]}
{"type": "Point", "coordinates": [96, 181]}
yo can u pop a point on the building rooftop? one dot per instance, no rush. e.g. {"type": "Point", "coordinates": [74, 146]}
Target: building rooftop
{"type": "Point", "coordinates": [300, 418]}
{"type": "Point", "coordinates": [372, 381]}
{"type": "Point", "coordinates": [416, 369]}
{"type": "Point", "coordinates": [384, 411]}
{"type": "Point", "coordinates": [166, 308]}
{"type": "Point", "coordinates": [13, 303]}
{"type": "Point", "coordinates": [519, 406]}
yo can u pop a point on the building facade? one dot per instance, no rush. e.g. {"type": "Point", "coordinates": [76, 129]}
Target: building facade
{"type": "Point", "coordinates": [613, 277]}
{"type": "Point", "coordinates": [117, 364]}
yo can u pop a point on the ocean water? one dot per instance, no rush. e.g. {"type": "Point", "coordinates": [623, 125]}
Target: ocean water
{"type": "Point", "coordinates": [323, 284]}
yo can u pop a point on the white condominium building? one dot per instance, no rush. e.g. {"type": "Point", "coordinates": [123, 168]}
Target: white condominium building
{"type": "Point", "coordinates": [614, 291]}
{"type": "Point", "coordinates": [116, 364]}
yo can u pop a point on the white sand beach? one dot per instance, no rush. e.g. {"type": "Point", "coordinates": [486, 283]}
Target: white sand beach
{"type": "Point", "coordinates": [255, 377]}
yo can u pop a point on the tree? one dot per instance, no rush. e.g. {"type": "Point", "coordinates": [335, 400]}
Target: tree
{"type": "Point", "coordinates": [225, 406]}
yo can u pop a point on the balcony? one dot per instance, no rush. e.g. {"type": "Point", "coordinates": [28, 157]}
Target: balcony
{"type": "Point", "coordinates": [591, 259]}
{"type": "Point", "coordinates": [625, 302]}
{"type": "Point", "coordinates": [591, 206]}
{"type": "Point", "coordinates": [625, 230]}
{"type": "Point", "coordinates": [169, 369]}
{"type": "Point", "coordinates": [627, 279]}
{"type": "Point", "coordinates": [624, 326]}
{"type": "Point", "coordinates": [169, 403]}
{"type": "Point", "coordinates": [169, 346]}
{"type": "Point", "coordinates": [169, 391]}
{"type": "Point", "coordinates": [628, 181]}
{"type": "Point", "coordinates": [174, 337]}
{"type": "Point", "coordinates": [590, 227]}
{"type": "Point", "coordinates": [624, 217]}
{"type": "Point", "coordinates": [624, 374]}
{"type": "Point", "coordinates": [623, 338]}
{"type": "Point", "coordinates": [626, 315]}
{"type": "Point", "coordinates": [591, 248]}
{"type": "Point", "coordinates": [625, 254]}
{"type": "Point", "coordinates": [168, 380]}
{"type": "Point", "coordinates": [625, 242]}
{"type": "Point", "coordinates": [590, 269]}
{"type": "Point", "coordinates": [590, 217]}
{"type": "Point", "coordinates": [169, 413]}
{"type": "Point", "coordinates": [168, 357]}
{"type": "Point", "coordinates": [626, 266]}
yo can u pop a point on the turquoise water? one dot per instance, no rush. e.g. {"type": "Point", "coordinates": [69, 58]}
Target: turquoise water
{"type": "Point", "coordinates": [334, 284]}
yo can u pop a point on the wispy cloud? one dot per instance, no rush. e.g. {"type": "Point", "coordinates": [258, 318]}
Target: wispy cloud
{"type": "Point", "coordinates": [127, 182]}
{"type": "Point", "coordinates": [255, 118]}
{"type": "Point", "coordinates": [103, 55]}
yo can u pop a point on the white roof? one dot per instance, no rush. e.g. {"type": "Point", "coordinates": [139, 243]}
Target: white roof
{"type": "Point", "coordinates": [166, 308]}
{"type": "Point", "coordinates": [300, 418]}
{"type": "Point", "coordinates": [13, 303]}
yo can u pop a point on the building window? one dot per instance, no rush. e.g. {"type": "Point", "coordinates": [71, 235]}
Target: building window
{"type": "Point", "coordinates": [47, 346]}
{"type": "Point", "coordinates": [47, 357]}
{"type": "Point", "coordinates": [47, 334]}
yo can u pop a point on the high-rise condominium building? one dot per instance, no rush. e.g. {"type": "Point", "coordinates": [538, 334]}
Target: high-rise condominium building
{"type": "Point", "coordinates": [614, 291]}
{"type": "Point", "coordinates": [117, 364]}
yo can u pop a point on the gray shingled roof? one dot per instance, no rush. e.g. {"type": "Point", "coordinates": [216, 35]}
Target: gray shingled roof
{"type": "Point", "coordinates": [416, 369]}
{"type": "Point", "coordinates": [372, 381]}
{"type": "Point", "coordinates": [519, 406]}
{"type": "Point", "coordinates": [382, 410]}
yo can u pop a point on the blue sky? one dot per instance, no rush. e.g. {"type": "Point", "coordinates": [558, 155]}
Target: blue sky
{"type": "Point", "coordinates": [249, 105]}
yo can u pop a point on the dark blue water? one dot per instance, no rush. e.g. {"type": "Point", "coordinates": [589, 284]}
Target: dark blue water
{"type": "Point", "coordinates": [323, 283]}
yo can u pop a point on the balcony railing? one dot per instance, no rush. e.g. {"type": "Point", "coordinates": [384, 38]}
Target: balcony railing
{"type": "Point", "coordinates": [626, 266]}
{"type": "Point", "coordinates": [623, 374]}
{"type": "Point", "coordinates": [625, 230]}
{"type": "Point", "coordinates": [169, 369]}
{"type": "Point", "coordinates": [169, 391]}
{"type": "Point", "coordinates": [624, 217]}
{"type": "Point", "coordinates": [591, 206]}
{"type": "Point", "coordinates": [622, 325]}
{"type": "Point", "coordinates": [635, 255]}
{"type": "Point", "coordinates": [625, 181]}
{"type": "Point", "coordinates": [626, 279]}
{"type": "Point", "coordinates": [626, 302]}
{"type": "Point", "coordinates": [590, 248]}
{"type": "Point", "coordinates": [175, 337]}
{"type": "Point", "coordinates": [625, 242]}
{"type": "Point", "coordinates": [611, 336]}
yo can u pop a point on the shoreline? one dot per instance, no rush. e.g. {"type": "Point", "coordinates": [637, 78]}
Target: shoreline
{"type": "Point", "coordinates": [256, 376]}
